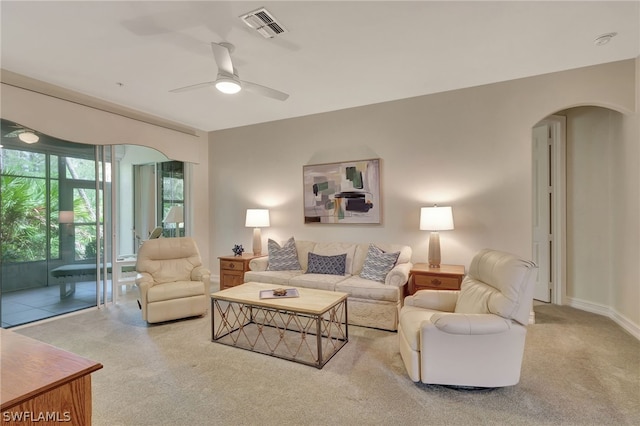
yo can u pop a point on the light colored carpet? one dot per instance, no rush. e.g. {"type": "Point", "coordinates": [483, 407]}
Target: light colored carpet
{"type": "Point", "coordinates": [579, 369]}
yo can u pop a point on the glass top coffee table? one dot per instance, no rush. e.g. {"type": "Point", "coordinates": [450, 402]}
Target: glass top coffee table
{"type": "Point", "coordinates": [308, 326]}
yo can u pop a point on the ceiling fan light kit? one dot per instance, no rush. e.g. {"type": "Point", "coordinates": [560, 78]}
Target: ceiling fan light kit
{"type": "Point", "coordinates": [227, 85]}
{"type": "Point", "coordinates": [227, 80]}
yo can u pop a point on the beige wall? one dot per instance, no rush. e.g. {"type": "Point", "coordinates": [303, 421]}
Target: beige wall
{"type": "Point", "coordinates": [469, 148]}
{"type": "Point", "coordinates": [76, 123]}
{"type": "Point", "coordinates": [625, 292]}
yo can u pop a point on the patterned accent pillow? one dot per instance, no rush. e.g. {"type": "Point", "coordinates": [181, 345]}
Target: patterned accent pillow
{"type": "Point", "coordinates": [331, 265]}
{"type": "Point", "coordinates": [378, 264]}
{"type": "Point", "coordinates": [283, 258]}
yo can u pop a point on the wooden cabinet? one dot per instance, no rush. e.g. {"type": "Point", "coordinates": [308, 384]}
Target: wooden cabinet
{"type": "Point", "coordinates": [42, 384]}
{"type": "Point", "coordinates": [446, 277]}
{"type": "Point", "coordinates": [232, 269]}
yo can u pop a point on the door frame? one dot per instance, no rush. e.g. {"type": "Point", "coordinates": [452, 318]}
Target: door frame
{"type": "Point", "coordinates": [558, 168]}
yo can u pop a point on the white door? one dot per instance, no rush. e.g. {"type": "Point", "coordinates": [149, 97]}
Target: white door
{"type": "Point", "coordinates": [542, 199]}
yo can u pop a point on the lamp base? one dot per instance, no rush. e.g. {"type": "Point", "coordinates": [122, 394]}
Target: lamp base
{"type": "Point", "coordinates": [257, 241]}
{"type": "Point", "coordinates": [434, 250]}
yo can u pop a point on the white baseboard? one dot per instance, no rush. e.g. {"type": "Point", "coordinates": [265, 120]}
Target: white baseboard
{"type": "Point", "coordinates": [597, 308]}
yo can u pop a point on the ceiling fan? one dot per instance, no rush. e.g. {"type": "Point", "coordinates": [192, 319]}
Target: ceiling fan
{"type": "Point", "coordinates": [227, 80]}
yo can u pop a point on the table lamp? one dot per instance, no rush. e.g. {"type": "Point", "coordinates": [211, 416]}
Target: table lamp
{"type": "Point", "coordinates": [175, 215]}
{"type": "Point", "coordinates": [435, 219]}
{"type": "Point", "coordinates": [256, 219]}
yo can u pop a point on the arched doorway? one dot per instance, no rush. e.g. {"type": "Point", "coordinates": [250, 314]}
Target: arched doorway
{"type": "Point", "coordinates": [572, 151]}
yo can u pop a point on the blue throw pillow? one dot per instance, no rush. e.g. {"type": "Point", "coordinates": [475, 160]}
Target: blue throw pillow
{"type": "Point", "coordinates": [283, 258]}
{"type": "Point", "coordinates": [378, 264]}
{"type": "Point", "coordinates": [331, 265]}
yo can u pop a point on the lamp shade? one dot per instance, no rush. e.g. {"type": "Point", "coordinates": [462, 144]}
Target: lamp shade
{"type": "Point", "coordinates": [257, 218]}
{"type": "Point", "coordinates": [174, 215]}
{"type": "Point", "coordinates": [436, 218]}
{"type": "Point", "coordinates": [65, 216]}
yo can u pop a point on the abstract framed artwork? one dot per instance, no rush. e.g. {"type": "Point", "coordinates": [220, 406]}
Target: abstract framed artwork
{"type": "Point", "coordinates": [345, 192]}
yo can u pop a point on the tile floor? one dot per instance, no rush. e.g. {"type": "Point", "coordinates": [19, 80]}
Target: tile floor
{"type": "Point", "coordinates": [25, 306]}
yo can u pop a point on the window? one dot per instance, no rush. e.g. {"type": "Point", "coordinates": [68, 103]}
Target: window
{"type": "Point", "coordinates": [171, 186]}
{"type": "Point", "coordinates": [29, 206]}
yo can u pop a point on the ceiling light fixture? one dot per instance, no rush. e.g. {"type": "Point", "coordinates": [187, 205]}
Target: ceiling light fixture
{"type": "Point", "coordinates": [227, 85]}
{"type": "Point", "coordinates": [604, 39]}
{"type": "Point", "coordinates": [28, 137]}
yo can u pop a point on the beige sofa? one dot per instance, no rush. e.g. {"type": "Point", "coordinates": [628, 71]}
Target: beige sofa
{"type": "Point", "coordinates": [370, 303]}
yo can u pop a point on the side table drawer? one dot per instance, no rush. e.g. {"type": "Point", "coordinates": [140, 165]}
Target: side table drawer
{"type": "Point", "coordinates": [431, 281]}
{"type": "Point", "coordinates": [232, 265]}
{"type": "Point", "coordinates": [231, 278]}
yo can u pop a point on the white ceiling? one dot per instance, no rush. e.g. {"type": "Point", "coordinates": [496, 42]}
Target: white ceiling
{"type": "Point", "coordinates": [335, 54]}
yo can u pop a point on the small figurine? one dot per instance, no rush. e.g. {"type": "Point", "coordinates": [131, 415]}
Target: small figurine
{"type": "Point", "coordinates": [237, 250]}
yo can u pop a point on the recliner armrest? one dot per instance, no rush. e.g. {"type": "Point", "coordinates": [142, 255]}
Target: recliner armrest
{"type": "Point", "coordinates": [470, 324]}
{"type": "Point", "coordinates": [144, 279]}
{"type": "Point", "coordinates": [437, 300]}
{"type": "Point", "coordinates": [200, 273]}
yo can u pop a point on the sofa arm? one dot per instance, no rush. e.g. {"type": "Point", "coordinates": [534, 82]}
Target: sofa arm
{"type": "Point", "coordinates": [470, 324]}
{"type": "Point", "coordinates": [438, 300]}
{"type": "Point", "coordinates": [399, 275]}
{"type": "Point", "coordinates": [259, 263]}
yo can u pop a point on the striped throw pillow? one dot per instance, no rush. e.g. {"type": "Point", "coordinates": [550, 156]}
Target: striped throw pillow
{"type": "Point", "coordinates": [283, 258]}
{"type": "Point", "coordinates": [378, 264]}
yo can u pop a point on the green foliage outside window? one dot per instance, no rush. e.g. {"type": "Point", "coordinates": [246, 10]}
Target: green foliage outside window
{"type": "Point", "coordinates": [27, 207]}
{"type": "Point", "coordinates": [23, 234]}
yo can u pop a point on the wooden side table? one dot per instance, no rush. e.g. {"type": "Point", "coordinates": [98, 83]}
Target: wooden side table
{"type": "Point", "coordinates": [232, 269]}
{"type": "Point", "coordinates": [446, 277]}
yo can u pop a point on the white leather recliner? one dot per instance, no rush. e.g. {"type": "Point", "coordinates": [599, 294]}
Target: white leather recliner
{"type": "Point", "coordinates": [172, 281]}
{"type": "Point", "coordinates": [473, 337]}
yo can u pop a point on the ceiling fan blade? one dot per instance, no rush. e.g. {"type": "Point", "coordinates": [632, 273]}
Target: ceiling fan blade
{"type": "Point", "coordinates": [192, 87]}
{"type": "Point", "coordinates": [223, 57]}
{"type": "Point", "coordinates": [264, 91]}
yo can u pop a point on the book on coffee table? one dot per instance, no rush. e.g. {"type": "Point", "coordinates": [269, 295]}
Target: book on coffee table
{"type": "Point", "coordinates": [269, 294]}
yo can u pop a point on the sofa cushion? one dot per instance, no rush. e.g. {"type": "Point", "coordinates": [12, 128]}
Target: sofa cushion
{"type": "Point", "coordinates": [363, 288]}
{"type": "Point", "coordinates": [378, 264]}
{"type": "Point", "coordinates": [318, 281]}
{"type": "Point", "coordinates": [270, 277]}
{"type": "Point", "coordinates": [283, 258]}
{"type": "Point", "coordinates": [332, 265]}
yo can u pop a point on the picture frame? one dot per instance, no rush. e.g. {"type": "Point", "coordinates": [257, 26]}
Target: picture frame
{"type": "Point", "coordinates": [346, 192]}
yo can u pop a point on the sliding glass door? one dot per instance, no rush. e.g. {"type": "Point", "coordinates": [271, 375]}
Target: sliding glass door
{"type": "Point", "coordinates": [73, 217]}
{"type": "Point", "coordinates": [55, 240]}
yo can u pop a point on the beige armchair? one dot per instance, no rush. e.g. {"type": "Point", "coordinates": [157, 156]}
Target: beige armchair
{"type": "Point", "coordinates": [172, 281]}
{"type": "Point", "coordinates": [473, 337]}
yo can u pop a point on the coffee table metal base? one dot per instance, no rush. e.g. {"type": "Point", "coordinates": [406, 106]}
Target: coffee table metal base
{"type": "Point", "coordinates": [301, 337]}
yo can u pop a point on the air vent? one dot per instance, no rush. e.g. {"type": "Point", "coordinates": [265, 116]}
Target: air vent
{"type": "Point", "coordinates": [263, 22]}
